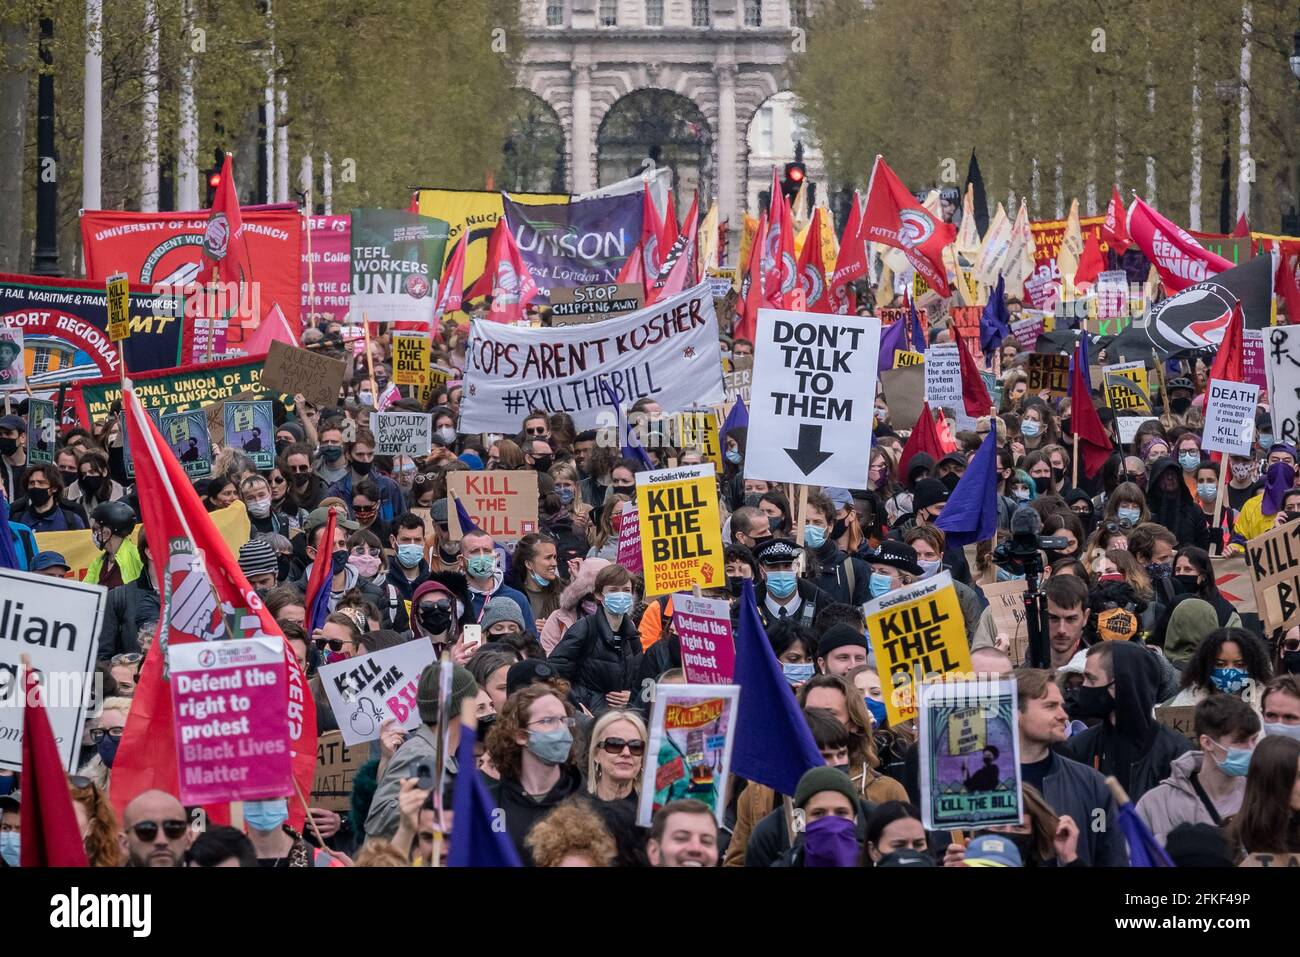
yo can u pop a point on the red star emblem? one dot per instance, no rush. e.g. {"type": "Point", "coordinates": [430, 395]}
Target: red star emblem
{"type": "Point", "coordinates": [688, 352]}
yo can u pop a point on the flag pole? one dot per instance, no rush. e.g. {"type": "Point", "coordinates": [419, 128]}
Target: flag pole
{"type": "Point", "coordinates": [1074, 459]}
{"type": "Point", "coordinates": [1218, 498]}
{"type": "Point", "coordinates": [370, 362]}
{"type": "Point", "coordinates": [311, 281]}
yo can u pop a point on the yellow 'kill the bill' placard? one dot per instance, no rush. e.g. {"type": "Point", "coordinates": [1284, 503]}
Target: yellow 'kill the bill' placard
{"type": "Point", "coordinates": [411, 358]}
{"type": "Point", "coordinates": [119, 306]}
{"type": "Point", "coordinates": [681, 533]}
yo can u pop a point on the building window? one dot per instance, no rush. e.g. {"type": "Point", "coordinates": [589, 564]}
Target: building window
{"type": "Point", "coordinates": [654, 13]}
{"type": "Point", "coordinates": [609, 13]}
{"type": "Point", "coordinates": [798, 13]}
{"type": "Point", "coordinates": [555, 13]}
{"type": "Point", "coordinates": [753, 13]}
{"type": "Point", "coordinates": [766, 133]}
{"type": "Point", "coordinates": [700, 13]}
{"type": "Point", "coordinates": [41, 362]}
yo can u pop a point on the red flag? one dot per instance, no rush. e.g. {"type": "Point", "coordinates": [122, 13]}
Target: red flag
{"type": "Point", "coordinates": [924, 438]}
{"type": "Point", "coordinates": [634, 269]}
{"type": "Point", "coordinates": [451, 295]}
{"type": "Point", "coordinates": [652, 245]}
{"type": "Point", "coordinates": [780, 271]}
{"type": "Point", "coordinates": [668, 230]}
{"type": "Point", "coordinates": [675, 273]}
{"type": "Point", "coordinates": [895, 218]}
{"type": "Point", "coordinates": [505, 277]}
{"type": "Point", "coordinates": [1179, 259]}
{"type": "Point", "coordinates": [1229, 361]}
{"type": "Point", "coordinates": [974, 394]}
{"type": "Point", "coordinates": [273, 328]}
{"type": "Point", "coordinates": [1115, 229]}
{"type": "Point", "coordinates": [943, 429]}
{"type": "Point", "coordinates": [1242, 229]}
{"type": "Point", "coordinates": [1094, 443]}
{"type": "Point", "coordinates": [812, 270]}
{"type": "Point", "coordinates": [851, 263]}
{"type": "Point", "coordinates": [751, 287]}
{"type": "Point", "coordinates": [205, 598]}
{"type": "Point", "coordinates": [225, 247]}
{"type": "Point", "coordinates": [51, 837]}
{"type": "Point", "coordinates": [1091, 263]}
{"type": "Point", "coordinates": [1287, 278]}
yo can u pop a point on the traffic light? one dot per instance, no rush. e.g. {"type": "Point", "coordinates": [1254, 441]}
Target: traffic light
{"type": "Point", "coordinates": [795, 173]}
{"type": "Point", "coordinates": [214, 177]}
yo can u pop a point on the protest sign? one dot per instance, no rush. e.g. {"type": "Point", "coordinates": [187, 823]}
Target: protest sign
{"type": "Point", "coordinates": [12, 372]}
{"type": "Point", "coordinates": [1127, 389]}
{"type": "Point", "coordinates": [697, 429]}
{"type": "Point", "coordinates": [1112, 294]}
{"type": "Point", "coordinates": [1027, 330]}
{"type": "Point", "coordinates": [336, 767]}
{"type": "Point", "coordinates": [131, 441]}
{"type": "Point", "coordinates": [704, 627]}
{"type": "Point", "coordinates": [186, 433]}
{"type": "Point", "coordinates": [1106, 328]}
{"type": "Point", "coordinates": [501, 503]}
{"type": "Point", "coordinates": [42, 431]}
{"type": "Point", "coordinates": [1128, 425]}
{"type": "Point", "coordinates": [365, 690]}
{"type": "Point", "coordinates": [572, 305]}
{"type": "Point", "coordinates": [403, 433]}
{"type": "Point", "coordinates": [629, 538]}
{"type": "Point", "coordinates": [942, 377]}
{"type": "Point", "coordinates": [904, 358]}
{"type": "Point", "coordinates": [230, 707]}
{"type": "Point", "coordinates": [1007, 605]}
{"type": "Point", "coordinates": [328, 296]}
{"type": "Point", "coordinates": [889, 315]}
{"type": "Point", "coordinates": [1233, 579]}
{"type": "Point", "coordinates": [681, 536]}
{"type": "Point", "coordinates": [579, 242]}
{"type": "Point", "coordinates": [1252, 357]}
{"type": "Point", "coordinates": [1270, 860]}
{"type": "Point", "coordinates": [1282, 367]}
{"type": "Point", "coordinates": [916, 631]}
{"type": "Point", "coordinates": [174, 390]}
{"type": "Point", "coordinates": [815, 389]}
{"type": "Point", "coordinates": [667, 352]}
{"type": "Point", "coordinates": [689, 751]}
{"type": "Point", "coordinates": [970, 754]}
{"type": "Point", "coordinates": [250, 427]}
{"type": "Point", "coordinates": [411, 358]}
{"type": "Point", "coordinates": [290, 370]}
{"type": "Point", "coordinates": [739, 379]}
{"type": "Point", "coordinates": [1230, 417]}
{"type": "Point", "coordinates": [1274, 562]}
{"type": "Point", "coordinates": [118, 289]}
{"type": "Point", "coordinates": [1179, 719]}
{"type": "Point", "coordinates": [1048, 373]}
{"type": "Point", "coordinates": [905, 393]}
{"type": "Point", "coordinates": [59, 622]}
{"type": "Point", "coordinates": [966, 323]}
{"type": "Point", "coordinates": [396, 263]}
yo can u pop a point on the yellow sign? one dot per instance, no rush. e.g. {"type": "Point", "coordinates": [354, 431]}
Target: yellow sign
{"type": "Point", "coordinates": [916, 632]}
{"type": "Point", "coordinates": [1127, 388]}
{"type": "Point", "coordinates": [681, 532]}
{"type": "Point", "coordinates": [908, 358]}
{"type": "Point", "coordinates": [411, 358]}
{"type": "Point", "coordinates": [699, 430]}
{"type": "Point", "coordinates": [967, 731]}
{"type": "Point", "coordinates": [119, 302]}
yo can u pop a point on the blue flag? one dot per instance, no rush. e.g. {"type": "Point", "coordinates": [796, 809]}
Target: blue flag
{"type": "Point", "coordinates": [737, 418]}
{"type": "Point", "coordinates": [630, 450]}
{"type": "Point", "coordinates": [1081, 356]}
{"type": "Point", "coordinates": [462, 516]}
{"type": "Point", "coordinates": [891, 340]}
{"type": "Point", "coordinates": [1143, 848]}
{"type": "Point", "coordinates": [8, 554]}
{"type": "Point", "coordinates": [914, 323]}
{"type": "Point", "coordinates": [474, 840]}
{"type": "Point", "coordinates": [995, 320]}
{"type": "Point", "coordinates": [773, 744]}
{"type": "Point", "coordinates": [971, 514]}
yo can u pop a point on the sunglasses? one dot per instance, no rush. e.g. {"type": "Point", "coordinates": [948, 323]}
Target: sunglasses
{"type": "Point", "coordinates": [129, 658]}
{"type": "Point", "coordinates": [97, 734]}
{"type": "Point", "coordinates": [539, 431]}
{"type": "Point", "coordinates": [334, 644]}
{"type": "Point", "coordinates": [81, 783]}
{"type": "Point", "coordinates": [300, 469]}
{"type": "Point", "coordinates": [278, 480]}
{"type": "Point", "coordinates": [148, 830]}
{"type": "Point", "coordinates": [616, 746]}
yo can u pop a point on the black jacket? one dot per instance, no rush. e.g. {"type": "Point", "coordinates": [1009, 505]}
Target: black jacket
{"type": "Point", "coordinates": [128, 607]}
{"type": "Point", "coordinates": [769, 842]}
{"type": "Point", "coordinates": [522, 811]}
{"type": "Point", "coordinates": [595, 660]}
{"type": "Point", "coordinates": [813, 599]}
{"type": "Point", "coordinates": [663, 654]}
{"type": "Point", "coordinates": [1176, 511]}
{"type": "Point", "coordinates": [1079, 791]}
{"type": "Point", "coordinates": [836, 579]}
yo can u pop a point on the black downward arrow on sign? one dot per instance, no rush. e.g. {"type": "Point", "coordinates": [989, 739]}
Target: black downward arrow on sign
{"type": "Point", "coordinates": [809, 455]}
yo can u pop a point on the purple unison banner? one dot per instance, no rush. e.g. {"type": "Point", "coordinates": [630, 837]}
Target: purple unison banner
{"type": "Point", "coordinates": [575, 244]}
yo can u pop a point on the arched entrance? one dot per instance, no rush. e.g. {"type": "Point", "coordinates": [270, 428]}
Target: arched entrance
{"type": "Point", "coordinates": [533, 153]}
{"type": "Point", "coordinates": [664, 127]}
{"type": "Point", "coordinates": [774, 129]}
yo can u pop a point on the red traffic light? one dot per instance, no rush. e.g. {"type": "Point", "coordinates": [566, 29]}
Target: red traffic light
{"type": "Point", "coordinates": [794, 173]}
{"type": "Point", "coordinates": [214, 180]}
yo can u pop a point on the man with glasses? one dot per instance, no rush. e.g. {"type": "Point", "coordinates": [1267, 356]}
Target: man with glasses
{"type": "Point", "coordinates": [155, 831]}
{"type": "Point", "coordinates": [361, 457]}
{"type": "Point", "coordinates": [536, 426]}
{"type": "Point", "coordinates": [296, 466]}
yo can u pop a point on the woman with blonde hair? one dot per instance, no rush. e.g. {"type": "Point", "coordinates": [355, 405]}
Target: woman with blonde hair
{"type": "Point", "coordinates": [616, 756]}
{"type": "Point", "coordinates": [604, 534]}
{"type": "Point", "coordinates": [97, 822]}
{"type": "Point", "coordinates": [105, 735]}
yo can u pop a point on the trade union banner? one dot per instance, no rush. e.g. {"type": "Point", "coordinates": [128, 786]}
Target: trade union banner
{"type": "Point", "coordinates": [575, 244]}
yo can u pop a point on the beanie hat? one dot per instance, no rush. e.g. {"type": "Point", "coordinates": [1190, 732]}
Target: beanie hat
{"type": "Point", "coordinates": [1198, 845]}
{"type": "Point", "coordinates": [837, 636]}
{"type": "Point", "coordinates": [929, 492]}
{"type": "Point", "coordinates": [294, 429]}
{"type": "Point", "coordinates": [257, 557]}
{"type": "Point", "coordinates": [463, 686]}
{"type": "Point", "coordinates": [529, 671]}
{"type": "Point", "coordinates": [500, 609]}
{"type": "Point", "coordinates": [824, 779]}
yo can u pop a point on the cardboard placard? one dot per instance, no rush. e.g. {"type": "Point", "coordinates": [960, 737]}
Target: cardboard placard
{"type": "Point", "coordinates": [689, 752]}
{"type": "Point", "coordinates": [1274, 562]}
{"type": "Point", "coordinates": [1180, 718]}
{"type": "Point", "coordinates": [1234, 582]}
{"type": "Point", "coordinates": [366, 690]}
{"type": "Point", "coordinates": [1007, 605]}
{"type": "Point", "coordinates": [336, 765]}
{"type": "Point", "coordinates": [571, 305]}
{"type": "Point", "coordinates": [502, 503]}
{"type": "Point", "coordinates": [1128, 425]}
{"type": "Point", "coordinates": [737, 382]}
{"type": "Point", "coordinates": [681, 533]}
{"type": "Point", "coordinates": [290, 370]}
{"type": "Point", "coordinates": [403, 433]}
{"type": "Point", "coordinates": [708, 649]}
{"type": "Point", "coordinates": [1050, 373]}
{"type": "Point", "coordinates": [905, 393]}
{"type": "Point", "coordinates": [1230, 417]}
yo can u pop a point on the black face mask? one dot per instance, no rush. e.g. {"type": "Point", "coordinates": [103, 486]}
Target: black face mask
{"type": "Point", "coordinates": [1180, 405]}
{"type": "Point", "coordinates": [435, 619]}
{"type": "Point", "coordinates": [485, 723]}
{"type": "Point", "coordinates": [734, 584]}
{"type": "Point", "coordinates": [38, 496]}
{"type": "Point", "coordinates": [950, 480]}
{"type": "Point", "coordinates": [339, 561]}
{"type": "Point", "coordinates": [302, 479]}
{"type": "Point", "coordinates": [752, 499]}
{"type": "Point", "coordinates": [543, 463]}
{"type": "Point", "coordinates": [628, 490]}
{"type": "Point", "coordinates": [775, 523]}
{"type": "Point", "coordinates": [362, 468]}
{"type": "Point", "coordinates": [1092, 703]}
{"type": "Point", "coordinates": [1058, 474]}
{"type": "Point", "coordinates": [1187, 584]}
{"type": "Point", "coordinates": [8, 446]}
{"type": "Point", "coordinates": [838, 529]}
{"type": "Point", "coordinates": [1291, 662]}
{"type": "Point", "coordinates": [280, 446]}
{"type": "Point", "coordinates": [69, 477]}
{"type": "Point", "coordinates": [1043, 483]}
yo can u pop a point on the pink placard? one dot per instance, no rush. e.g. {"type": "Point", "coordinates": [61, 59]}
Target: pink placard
{"type": "Point", "coordinates": [230, 704]}
{"type": "Point", "coordinates": [331, 270]}
{"type": "Point", "coordinates": [629, 539]}
{"type": "Point", "coordinates": [1252, 341]}
{"type": "Point", "coordinates": [704, 627]}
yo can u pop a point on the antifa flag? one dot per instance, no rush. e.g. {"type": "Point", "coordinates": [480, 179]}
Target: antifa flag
{"type": "Point", "coordinates": [1195, 319]}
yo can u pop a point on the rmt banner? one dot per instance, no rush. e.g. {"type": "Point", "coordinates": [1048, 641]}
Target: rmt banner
{"type": "Point", "coordinates": [667, 352]}
{"type": "Point", "coordinates": [813, 397]}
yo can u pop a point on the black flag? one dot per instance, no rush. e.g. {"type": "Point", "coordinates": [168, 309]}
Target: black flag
{"type": "Point", "coordinates": [976, 178]}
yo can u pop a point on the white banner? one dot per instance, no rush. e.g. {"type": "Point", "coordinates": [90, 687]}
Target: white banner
{"type": "Point", "coordinates": [367, 690]}
{"type": "Point", "coordinates": [1230, 417]}
{"type": "Point", "coordinates": [943, 377]}
{"type": "Point", "coordinates": [661, 181]}
{"type": "Point", "coordinates": [403, 433]}
{"type": "Point", "coordinates": [667, 352]}
{"type": "Point", "coordinates": [1282, 367]}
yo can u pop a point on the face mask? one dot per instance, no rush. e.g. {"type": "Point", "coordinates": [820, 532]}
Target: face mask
{"type": "Point", "coordinates": [543, 463]}
{"type": "Point", "coordinates": [929, 568]}
{"type": "Point", "coordinates": [1005, 576]}
{"type": "Point", "coordinates": [565, 495]}
{"type": "Point", "coordinates": [1188, 584]}
{"type": "Point", "coordinates": [1160, 570]}
{"type": "Point", "coordinates": [1229, 680]}
{"type": "Point", "coordinates": [551, 747]}
{"type": "Point", "coordinates": [618, 602]}
{"type": "Point", "coordinates": [1030, 429]}
{"type": "Point", "coordinates": [410, 556]}
{"type": "Point", "coordinates": [1265, 440]}
{"type": "Point", "coordinates": [1129, 515]}
{"type": "Point", "coordinates": [1291, 731]}
{"type": "Point", "coordinates": [1116, 624]}
{"type": "Point", "coordinates": [1043, 483]}
{"type": "Point", "coordinates": [38, 496]}
{"type": "Point", "coordinates": [1237, 761]}
{"type": "Point", "coordinates": [69, 478]}
{"type": "Point", "coordinates": [1093, 703]}
{"type": "Point", "coordinates": [338, 561]}
{"type": "Point", "coordinates": [260, 509]}
{"type": "Point", "coordinates": [880, 584]}
{"type": "Point", "coordinates": [1291, 662]}
{"type": "Point", "coordinates": [106, 748]}
{"type": "Point", "coordinates": [447, 434]}
{"type": "Point", "coordinates": [1020, 493]}
{"type": "Point", "coordinates": [752, 499]}
{"type": "Point", "coordinates": [266, 815]}
{"type": "Point", "coordinates": [331, 453]}
{"type": "Point", "coordinates": [1189, 460]}
{"type": "Point", "coordinates": [481, 566]}
{"type": "Point", "coordinates": [362, 468]}
{"type": "Point", "coordinates": [831, 842]}
{"type": "Point", "coordinates": [302, 479]}
{"type": "Point", "coordinates": [814, 536]}
{"type": "Point", "coordinates": [733, 456]}
{"type": "Point", "coordinates": [796, 674]}
{"type": "Point", "coordinates": [539, 581]}
{"type": "Point", "coordinates": [950, 481]}
{"type": "Point", "coordinates": [877, 709]}
{"type": "Point", "coordinates": [782, 584]}
{"type": "Point", "coordinates": [1058, 475]}
{"type": "Point", "coordinates": [11, 847]}
{"type": "Point", "coordinates": [435, 619]}
{"type": "Point", "coordinates": [1180, 405]}
{"type": "Point", "coordinates": [628, 490]}
{"type": "Point", "coordinates": [366, 565]}
{"type": "Point", "coordinates": [775, 523]}
{"type": "Point", "coordinates": [1207, 492]}
{"type": "Point", "coordinates": [1241, 471]}
{"type": "Point", "coordinates": [8, 446]}
{"type": "Point", "coordinates": [838, 529]}
{"type": "Point", "coordinates": [280, 446]}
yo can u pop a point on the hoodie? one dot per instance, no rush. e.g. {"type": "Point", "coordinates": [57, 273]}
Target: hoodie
{"type": "Point", "coordinates": [582, 585]}
{"type": "Point", "coordinates": [438, 586]}
{"type": "Point", "coordinates": [1191, 620]}
{"type": "Point", "coordinates": [1176, 510]}
{"type": "Point", "coordinates": [1175, 801]}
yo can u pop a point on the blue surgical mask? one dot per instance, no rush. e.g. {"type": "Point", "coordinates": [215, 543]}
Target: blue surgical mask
{"type": "Point", "coordinates": [618, 602]}
{"type": "Point", "coordinates": [11, 847]}
{"type": "Point", "coordinates": [880, 584]}
{"type": "Point", "coordinates": [877, 709]}
{"type": "Point", "coordinates": [733, 456]}
{"type": "Point", "coordinates": [1189, 460]}
{"type": "Point", "coordinates": [797, 674]}
{"type": "Point", "coordinates": [1129, 515]}
{"type": "Point", "coordinates": [1207, 491]}
{"type": "Point", "coordinates": [538, 580]}
{"type": "Point", "coordinates": [266, 815]}
{"type": "Point", "coordinates": [565, 494]}
{"type": "Point", "coordinates": [1229, 680]}
{"type": "Point", "coordinates": [1006, 576]}
{"type": "Point", "coordinates": [410, 555]}
{"type": "Point", "coordinates": [1266, 440]}
{"type": "Point", "coordinates": [551, 747]}
{"type": "Point", "coordinates": [782, 584]}
{"type": "Point", "coordinates": [1237, 762]}
{"type": "Point", "coordinates": [481, 566]}
{"type": "Point", "coordinates": [1030, 429]}
{"type": "Point", "coordinates": [929, 568]}
{"type": "Point", "coordinates": [814, 536]}
{"type": "Point", "coordinates": [1291, 731]}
